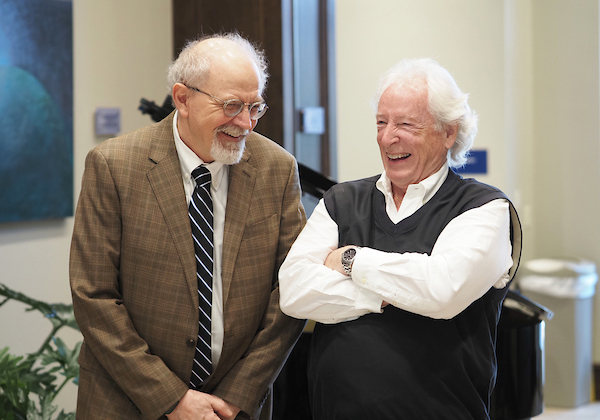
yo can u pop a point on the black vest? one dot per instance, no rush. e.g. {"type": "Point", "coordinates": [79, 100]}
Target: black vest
{"type": "Point", "coordinates": [400, 365]}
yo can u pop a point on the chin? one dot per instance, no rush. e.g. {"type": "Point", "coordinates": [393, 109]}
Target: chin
{"type": "Point", "coordinates": [228, 153]}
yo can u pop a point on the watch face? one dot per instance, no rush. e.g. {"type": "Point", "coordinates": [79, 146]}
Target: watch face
{"type": "Point", "coordinates": [347, 259]}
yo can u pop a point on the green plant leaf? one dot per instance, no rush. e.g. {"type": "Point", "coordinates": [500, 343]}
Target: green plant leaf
{"type": "Point", "coordinates": [46, 407]}
{"type": "Point", "coordinates": [28, 384]}
{"type": "Point", "coordinates": [65, 416]}
{"type": "Point", "coordinates": [14, 389]}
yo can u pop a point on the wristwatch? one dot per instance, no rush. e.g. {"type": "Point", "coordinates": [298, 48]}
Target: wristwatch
{"type": "Point", "coordinates": [348, 258]}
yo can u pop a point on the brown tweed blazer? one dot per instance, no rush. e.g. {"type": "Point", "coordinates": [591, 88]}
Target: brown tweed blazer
{"type": "Point", "coordinates": [133, 277]}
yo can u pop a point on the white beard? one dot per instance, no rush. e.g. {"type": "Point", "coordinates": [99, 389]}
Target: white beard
{"type": "Point", "coordinates": [228, 152]}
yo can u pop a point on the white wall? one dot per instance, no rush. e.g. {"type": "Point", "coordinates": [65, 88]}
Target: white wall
{"type": "Point", "coordinates": [567, 146]}
{"type": "Point", "coordinates": [566, 93]}
{"type": "Point", "coordinates": [121, 52]}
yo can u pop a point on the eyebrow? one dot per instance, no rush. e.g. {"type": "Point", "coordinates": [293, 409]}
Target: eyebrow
{"type": "Point", "coordinates": [399, 117]}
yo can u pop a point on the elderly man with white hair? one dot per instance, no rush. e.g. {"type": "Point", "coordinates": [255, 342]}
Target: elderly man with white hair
{"type": "Point", "coordinates": [180, 230]}
{"type": "Point", "coordinates": [405, 272]}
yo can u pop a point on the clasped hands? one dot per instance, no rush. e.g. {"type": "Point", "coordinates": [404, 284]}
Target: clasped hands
{"type": "Point", "coordinates": [197, 405]}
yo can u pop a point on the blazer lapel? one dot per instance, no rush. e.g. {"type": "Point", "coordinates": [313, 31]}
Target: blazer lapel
{"type": "Point", "coordinates": [242, 177]}
{"type": "Point", "coordinates": [166, 182]}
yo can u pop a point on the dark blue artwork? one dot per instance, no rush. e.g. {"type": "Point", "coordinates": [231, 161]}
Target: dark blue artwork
{"type": "Point", "coordinates": [36, 109]}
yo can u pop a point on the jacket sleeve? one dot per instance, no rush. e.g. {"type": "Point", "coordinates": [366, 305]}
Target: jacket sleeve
{"type": "Point", "coordinates": [111, 341]}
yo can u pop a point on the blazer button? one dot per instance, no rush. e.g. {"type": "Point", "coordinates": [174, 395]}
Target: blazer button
{"type": "Point", "coordinates": [190, 342]}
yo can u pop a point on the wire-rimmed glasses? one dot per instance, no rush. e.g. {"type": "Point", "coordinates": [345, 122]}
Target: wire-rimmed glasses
{"type": "Point", "coordinates": [233, 107]}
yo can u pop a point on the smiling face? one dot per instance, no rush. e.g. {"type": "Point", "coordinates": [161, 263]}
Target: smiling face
{"type": "Point", "coordinates": [411, 148]}
{"type": "Point", "coordinates": [202, 123]}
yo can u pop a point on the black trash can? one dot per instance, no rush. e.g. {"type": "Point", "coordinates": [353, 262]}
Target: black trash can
{"type": "Point", "coordinates": [520, 351]}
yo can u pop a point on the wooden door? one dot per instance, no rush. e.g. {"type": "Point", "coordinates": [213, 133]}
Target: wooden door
{"type": "Point", "coordinates": [297, 36]}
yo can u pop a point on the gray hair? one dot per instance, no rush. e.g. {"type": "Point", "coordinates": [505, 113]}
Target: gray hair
{"type": "Point", "coordinates": [447, 103]}
{"type": "Point", "coordinates": [192, 67]}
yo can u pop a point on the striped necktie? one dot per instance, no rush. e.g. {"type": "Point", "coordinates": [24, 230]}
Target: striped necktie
{"type": "Point", "coordinates": [201, 218]}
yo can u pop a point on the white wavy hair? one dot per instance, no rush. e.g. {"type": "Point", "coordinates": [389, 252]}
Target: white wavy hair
{"type": "Point", "coordinates": [192, 67]}
{"type": "Point", "coordinates": [447, 103]}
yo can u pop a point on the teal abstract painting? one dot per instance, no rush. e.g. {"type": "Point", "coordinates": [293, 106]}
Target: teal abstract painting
{"type": "Point", "coordinates": [36, 109]}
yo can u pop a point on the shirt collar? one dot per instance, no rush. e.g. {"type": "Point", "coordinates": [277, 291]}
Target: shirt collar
{"type": "Point", "coordinates": [428, 187]}
{"type": "Point", "coordinates": [189, 160]}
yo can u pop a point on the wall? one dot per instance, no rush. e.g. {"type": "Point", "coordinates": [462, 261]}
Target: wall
{"type": "Point", "coordinates": [121, 53]}
{"type": "Point", "coordinates": [567, 99]}
{"type": "Point", "coordinates": [567, 132]}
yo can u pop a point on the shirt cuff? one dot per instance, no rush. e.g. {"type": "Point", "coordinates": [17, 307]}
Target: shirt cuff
{"type": "Point", "coordinates": [368, 301]}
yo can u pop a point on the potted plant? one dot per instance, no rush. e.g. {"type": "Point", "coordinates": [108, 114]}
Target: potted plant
{"type": "Point", "coordinates": [29, 384]}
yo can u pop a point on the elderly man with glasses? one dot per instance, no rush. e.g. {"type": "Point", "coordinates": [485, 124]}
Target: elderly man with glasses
{"type": "Point", "coordinates": [179, 234]}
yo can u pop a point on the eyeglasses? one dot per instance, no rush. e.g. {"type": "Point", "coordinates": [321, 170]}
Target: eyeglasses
{"type": "Point", "coordinates": [233, 107]}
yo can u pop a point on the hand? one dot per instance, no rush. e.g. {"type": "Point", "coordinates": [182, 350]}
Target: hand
{"type": "Point", "coordinates": [235, 410]}
{"type": "Point", "coordinates": [334, 259]}
{"type": "Point", "coordinates": [197, 405]}
{"type": "Point", "coordinates": [334, 262]}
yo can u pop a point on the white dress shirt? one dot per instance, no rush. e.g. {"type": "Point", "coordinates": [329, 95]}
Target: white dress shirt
{"type": "Point", "coordinates": [471, 255]}
{"type": "Point", "coordinates": [218, 190]}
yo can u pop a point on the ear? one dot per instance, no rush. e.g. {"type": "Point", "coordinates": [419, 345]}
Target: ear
{"type": "Point", "coordinates": [181, 98]}
{"type": "Point", "coordinates": [451, 132]}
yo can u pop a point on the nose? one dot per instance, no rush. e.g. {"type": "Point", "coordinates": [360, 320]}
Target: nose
{"type": "Point", "coordinates": [387, 135]}
{"type": "Point", "coordinates": [243, 119]}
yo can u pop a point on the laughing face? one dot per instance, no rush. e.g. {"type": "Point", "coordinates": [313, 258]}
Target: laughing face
{"type": "Point", "coordinates": [411, 148]}
{"type": "Point", "coordinates": [203, 125]}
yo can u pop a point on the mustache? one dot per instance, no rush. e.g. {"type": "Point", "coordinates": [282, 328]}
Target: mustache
{"type": "Point", "coordinates": [232, 130]}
